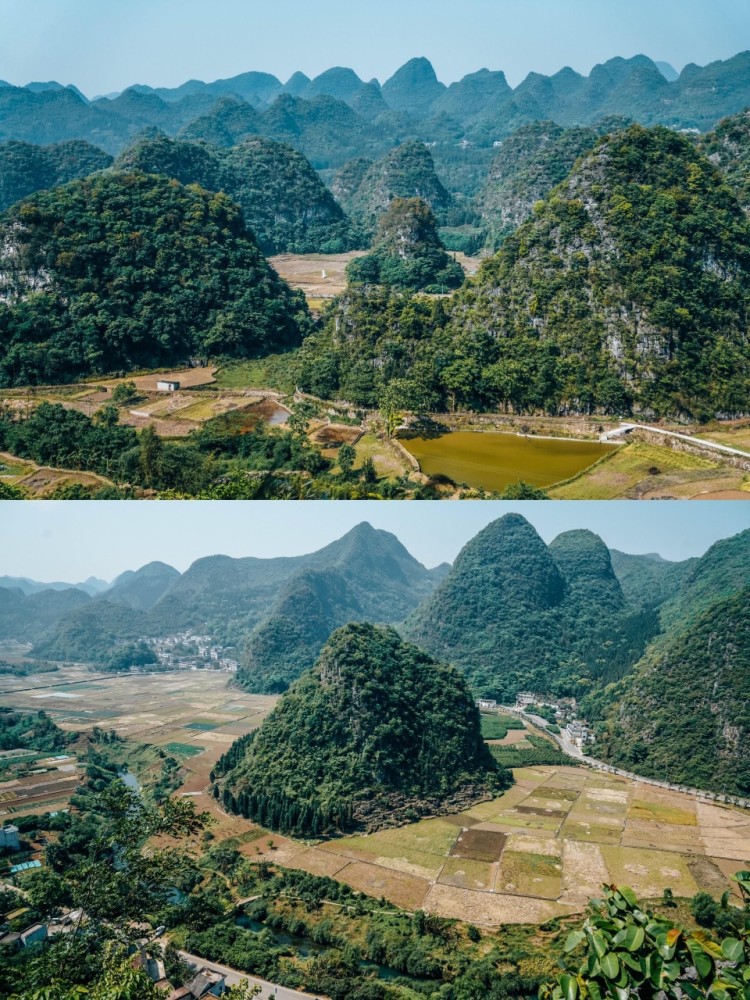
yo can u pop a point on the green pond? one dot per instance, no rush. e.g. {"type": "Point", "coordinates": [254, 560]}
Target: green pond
{"type": "Point", "coordinates": [494, 460]}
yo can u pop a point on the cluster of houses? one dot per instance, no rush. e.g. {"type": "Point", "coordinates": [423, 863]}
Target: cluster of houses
{"type": "Point", "coordinates": [185, 651]}
{"type": "Point", "coordinates": [205, 982]}
{"type": "Point", "coordinates": [576, 730]}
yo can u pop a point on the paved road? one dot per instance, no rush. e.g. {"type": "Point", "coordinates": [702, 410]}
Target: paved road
{"type": "Point", "coordinates": [624, 429]}
{"type": "Point", "coordinates": [572, 750]}
{"type": "Point", "coordinates": [234, 977]}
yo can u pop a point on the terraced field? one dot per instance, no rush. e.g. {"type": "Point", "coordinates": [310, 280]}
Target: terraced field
{"type": "Point", "coordinates": [542, 849]}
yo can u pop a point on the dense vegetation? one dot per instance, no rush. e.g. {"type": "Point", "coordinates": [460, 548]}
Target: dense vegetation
{"type": "Point", "coordinates": [25, 169]}
{"type": "Point", "coordinates": [367, 575]}
{"type": "Point", "coordinates": [528, 165]}
{"type": "Point", "coordinates": [629, 288]}
{"type": "Point", "coordinates": [627, 291]}
{"type": "Point", "coordinates": [376, 733]}
{"type": "Point", "coordinates": [682, 714]}
{"type": "Point", "coordinates": [123, 271]}
{"type": "Point", "coordinates": [728, 148]}
{"type": "Point", "coordinates": [624, 949]}
{"type": "Point", "coordinates": [407, 252]}
{"type": "Point", "coordinates": [517, 614]}
{"type": "Point", "coordinates": [406, 172]}
{"type": "Point", "coordinates": [285, 204]}
{"type": "Point", "coordinates": [26, 731]}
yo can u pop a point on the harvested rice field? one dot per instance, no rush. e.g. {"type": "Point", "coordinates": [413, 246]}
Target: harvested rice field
{"type": "Point", "coordinates": [540, 850]}
{"type": "Point", "coordinates": [188, 714]}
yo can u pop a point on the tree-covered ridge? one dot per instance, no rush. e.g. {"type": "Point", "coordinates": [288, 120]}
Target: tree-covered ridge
{"type": "Point", "coordinates": [627, 291]}
{"type": "Point", "coordinates": [630, 287]}
{"type": "Point", "coordinates": [407, 252]}
{"type": "Point", "coordinates": [377, 732]}
{"type": "Point", "coordinates": [128, 270]}
{"type": "Point", "coordinates": [31, 731]}
{"type": "Point", "coordinates": [528, 165]}
{"type": "Point", "coordinates": [515, 614]}
{"type": "Point", "coordinates": [683, 715]}
{"type": "Point", "coordinates": [372, 336]}
{"type": "Point", "coordinates": [286, 206]}
{"type": "Point", "coordinates": [406, 172]}
{"type": "Point", "coordinates": [367, 575]}
{"type": "Point", "coordinates": [728, 148]}
{"type": "Point", "coordinates": [25, 168]}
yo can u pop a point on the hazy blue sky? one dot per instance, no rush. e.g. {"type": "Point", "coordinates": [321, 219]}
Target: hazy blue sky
{"type": "Point", "coordinates": [106, 45]}
{"type": "Point", "coordinates": [71, 541]}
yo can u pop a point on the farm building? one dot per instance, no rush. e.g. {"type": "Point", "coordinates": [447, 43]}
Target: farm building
{"type": "Point", "coordinates": [167, 385]}
{"type": "Point", "coordinates": [486, 703]}
{"type": "Point", "coordinates": [9, 837]}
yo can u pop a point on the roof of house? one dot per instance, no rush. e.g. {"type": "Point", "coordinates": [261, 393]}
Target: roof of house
{"type": "Point", "coordinates": [200, 985]}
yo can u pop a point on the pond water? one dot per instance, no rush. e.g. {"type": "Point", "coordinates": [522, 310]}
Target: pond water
{"type": "Point", "coordinates": [494, 460]}
{"type": "Point", "coordinates": [130, 780]}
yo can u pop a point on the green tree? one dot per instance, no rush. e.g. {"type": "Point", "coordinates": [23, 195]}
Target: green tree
{"type": "Point", "coordinates": [624, 951]}
{"type": "Point", "coordinates": [124, 393]}
{"type": "Point", "coordinates": [347, 456]}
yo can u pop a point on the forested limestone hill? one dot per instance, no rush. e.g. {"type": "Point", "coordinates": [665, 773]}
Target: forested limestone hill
{"type": "Point", "coordinates": [286, 206]}
{"type": "Point", "coordinates": [517, 614]}
{"type": "Point", "coordinates": [376, 733]}
{"type": "Point", "coordinates": [406, 172]}
{"type": "Point", "coordinates": [25, 168]}
{"type": "Point", "coordinates": [127, 270]}
{"type": "Point", "coordinates": [682, 715]}
{"type": "Point", "coordinates": [407, 252]}
{"type": "Point", "coordinates": [630, 287]}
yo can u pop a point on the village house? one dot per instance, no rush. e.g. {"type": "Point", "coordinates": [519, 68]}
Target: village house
{"type": "Point", "coordinates": [486, 703]}
{"type": "Point", "coordinates": [205, 984]}
{"type": "Point", "coordinates": [167, 385]}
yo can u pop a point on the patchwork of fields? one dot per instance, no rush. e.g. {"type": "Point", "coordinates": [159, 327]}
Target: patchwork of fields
{"type": "Point", "coordinates": [540, 850]}
{"type": "Point", "coordinates": [190, 715]}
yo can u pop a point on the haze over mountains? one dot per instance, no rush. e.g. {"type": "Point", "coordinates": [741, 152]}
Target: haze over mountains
{"type": "Point", "coordinates": [482, 105]}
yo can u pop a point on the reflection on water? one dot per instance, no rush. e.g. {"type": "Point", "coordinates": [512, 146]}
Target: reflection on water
{"type": "Point", "coordinates": [494, 460]}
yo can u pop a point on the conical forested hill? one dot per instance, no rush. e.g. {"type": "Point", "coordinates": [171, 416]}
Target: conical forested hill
{"type": "Point", "coordinates": [514, 613]}
{"type": "Point", "coordinates": [407, 252]}
{"type": "Point", "coordinates": [528, 165]}
{"type": "Point", "coordinates": [367, 575]}
{"type": "Point", "coordinates": [630, 287]}
{"type": "Point", "coordinates": [126, 270]}
{"type": "Point", "coordinates": [286, 206]}
{"type": "Point", "coordinates": [406, 172]}
{"type": "Point", "coordinates": [496, 614]}
{"type": "Point", "coordinates": [25, 169]}
{"type": "Point", "coordinates": [376, 733]}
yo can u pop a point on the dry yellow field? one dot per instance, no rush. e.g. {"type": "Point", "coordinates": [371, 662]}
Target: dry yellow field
{"type": "Point", "coordinates": [541, 849]}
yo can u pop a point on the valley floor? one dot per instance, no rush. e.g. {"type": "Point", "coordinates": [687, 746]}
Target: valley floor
{"type": "Point", "coordinates": [540, 850]}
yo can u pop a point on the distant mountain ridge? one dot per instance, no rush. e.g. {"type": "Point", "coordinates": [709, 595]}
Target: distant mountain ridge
{"type": "Point", "coordinates": [481, 107]}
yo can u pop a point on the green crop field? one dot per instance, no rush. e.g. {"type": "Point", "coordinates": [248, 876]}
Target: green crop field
{"type": "Point", "coordinates": [495, 727]}
{"type": "Point", "coordinates": [183, 749]}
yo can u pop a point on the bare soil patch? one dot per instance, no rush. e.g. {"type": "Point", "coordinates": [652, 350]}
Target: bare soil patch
{"type": "Point", "coordinates": [479, 845]}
